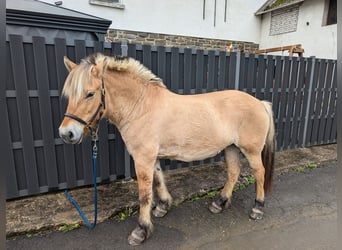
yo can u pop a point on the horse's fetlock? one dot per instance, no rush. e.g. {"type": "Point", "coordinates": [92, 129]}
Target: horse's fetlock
{"type": "Point", "coordinates": [259, 203]}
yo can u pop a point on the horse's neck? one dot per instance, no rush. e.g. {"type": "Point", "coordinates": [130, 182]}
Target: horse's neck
{"type": "Point", "coordinates": [125, 95]}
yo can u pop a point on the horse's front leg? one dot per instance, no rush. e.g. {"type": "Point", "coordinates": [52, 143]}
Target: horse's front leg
{"type": "Point", "coordinates": [144, 170]}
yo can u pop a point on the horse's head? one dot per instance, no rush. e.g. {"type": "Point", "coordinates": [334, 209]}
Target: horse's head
{"type": "Point", "coordinates": [84, 89]}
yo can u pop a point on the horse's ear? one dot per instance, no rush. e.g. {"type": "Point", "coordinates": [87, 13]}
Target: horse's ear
{"type": "Point", "coordinates": [99, 68]}
{"type": "Point", "coordinates": [69, 64]}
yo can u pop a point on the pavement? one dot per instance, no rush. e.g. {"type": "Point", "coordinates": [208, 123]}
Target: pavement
{"type": "Point", "coordinates": [300, 213]}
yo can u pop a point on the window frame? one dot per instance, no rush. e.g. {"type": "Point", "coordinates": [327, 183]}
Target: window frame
{"type": "Point", "coordinates": [327, 13]}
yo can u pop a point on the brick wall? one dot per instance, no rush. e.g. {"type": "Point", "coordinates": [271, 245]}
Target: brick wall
{"type": "Point", "coordinates": [177, 41]}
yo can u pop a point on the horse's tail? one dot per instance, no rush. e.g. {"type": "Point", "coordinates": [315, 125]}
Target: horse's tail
{"type": "Point", "coordinates": [267, 154]}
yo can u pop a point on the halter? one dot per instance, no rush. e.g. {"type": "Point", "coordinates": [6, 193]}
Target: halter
{"type": "Point", "coordinates": [102, 105]}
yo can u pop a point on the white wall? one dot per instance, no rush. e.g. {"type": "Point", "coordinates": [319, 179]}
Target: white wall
{"type": "Point", "coordinates": [180, 17]}
{"type": "Point", "coordinates": [317, 40]}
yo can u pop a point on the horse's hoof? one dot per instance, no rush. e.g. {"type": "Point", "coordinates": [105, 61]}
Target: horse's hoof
{"type": "Point", "coordinates": [215, 208]}
{"type": "Point", "coordinates": [256, 214]}
{"type": "Point", "coordinates": [218, 205]}
{"type": "Point", "coordinates": [159, 211]}
{"type": "Point", "coordinates": [138, 235]}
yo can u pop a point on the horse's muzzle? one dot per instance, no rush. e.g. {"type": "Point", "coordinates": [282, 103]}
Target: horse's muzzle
{"type": "Point", "coordinates": [71, 134]}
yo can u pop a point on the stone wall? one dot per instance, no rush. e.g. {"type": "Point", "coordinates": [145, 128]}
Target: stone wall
{"type": "Point", "coordinates": [177, 41]}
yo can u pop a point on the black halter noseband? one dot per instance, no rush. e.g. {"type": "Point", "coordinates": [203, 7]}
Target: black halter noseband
{"type": "Point", "coordinates": [102, 106]}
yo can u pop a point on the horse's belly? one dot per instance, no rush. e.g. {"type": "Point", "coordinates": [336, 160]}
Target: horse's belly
{"type": "Point", "coordinates": [188, 155]}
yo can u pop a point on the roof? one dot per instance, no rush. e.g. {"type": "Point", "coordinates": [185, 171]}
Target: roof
{"type": "Point", "coordinates": [40, 14]}
{"type": "Point", "coordinates": [271, 5]}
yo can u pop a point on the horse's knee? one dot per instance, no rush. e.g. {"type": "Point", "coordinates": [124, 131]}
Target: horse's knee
{"type": "Point", "coordinates": [218, 205]}
{"type": "Point", "coordinates": [140, 233]}
{"type": "Point", "coordinates": [257, 212]}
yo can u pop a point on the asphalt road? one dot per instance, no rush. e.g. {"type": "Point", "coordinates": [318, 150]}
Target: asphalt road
{"type": "Point", "coordinates": [301, 213]}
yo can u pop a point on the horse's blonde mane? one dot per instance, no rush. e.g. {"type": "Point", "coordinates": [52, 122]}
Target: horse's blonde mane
{"type": "Point", "coordinates": [76, 80]}
{"type": "Point", "coordinates": [127, 64]}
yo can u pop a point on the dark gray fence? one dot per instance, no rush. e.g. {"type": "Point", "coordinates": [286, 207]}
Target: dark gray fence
{"type": "Point", "coordinates": [302, 90]}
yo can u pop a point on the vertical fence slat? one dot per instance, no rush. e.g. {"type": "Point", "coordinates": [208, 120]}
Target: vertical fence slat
{"type": "Point", "coordinates": [174, 84]}
{"type": "Point", "coordinates": [329, 136]}
{"type": "Point", "coordinates": [103, 158]}
{"type": "Point", "coordinates": [270, 65]}
{"type": "Point", "coordinates": [289, 119]}
{"type": "Point", "coordinates": [250, 74]}
{"type": "Point", "coordinates": [127, 158]}
{"type": "Point", "coordinates": [147, 57]}
{"type": "Point", "coordinates": [283, 126]}
{"type": "Point", "coordinates": [298, 104]}
{"type": "Point", "coordinates": [20, 81]}
{"type": "Point", "coordinates": [276, 95]}
{"type": "Point", "coordinates": [317, 115]}
{"type": "Point", "coordinates": [222, 71]}
{"type": "Point", "coordinates": [131, 51]}
{"type": "Point", "coordinates": [45, 110]}
{"type": "Point", "coordinates": [187, 70]}
{"type": "Point", "coordinates": [67, 172]}
{"type": "Point", "coordinates": [174, 69]}
{"type": "Point", "coordinates": [326, 86]}
{"type": "Point", "coordinates": [211, 70]}
{"type": "Point", "coordinates": [311, 106]}
{"type": "Point", "coordinates": [6, 145]}
{"type": "Point", "coordinates": [260, 81]}
{"type": "Point", "coordinates": [84, 150]}
{"type": "Point", "coordinates": [233, 70]}
{"type": "Point", "coordinates": [161, 73]}
{"type": "Point", "coordinates": [199, 71]}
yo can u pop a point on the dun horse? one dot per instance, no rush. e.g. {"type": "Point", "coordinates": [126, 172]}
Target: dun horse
{"type": "Point", "coordinates": [156, 123]}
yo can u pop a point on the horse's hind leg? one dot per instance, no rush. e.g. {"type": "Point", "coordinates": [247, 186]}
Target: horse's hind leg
{"type": "Point", "coordinates": [233, 170]}
{"type": "Point", "coordinates": [165, 199]}
{"type": "Point", "coordinates": [255, 161]}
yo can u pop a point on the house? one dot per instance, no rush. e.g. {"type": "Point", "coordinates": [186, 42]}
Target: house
{"type": "Point", "coordinates": [211, 24]}
{"type": "Point", "coordinates": [246, 25]}
{"type": "Point", "coordinates": [311, 23]}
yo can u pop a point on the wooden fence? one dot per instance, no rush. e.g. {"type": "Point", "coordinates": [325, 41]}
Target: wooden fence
{"type": "Point", "coordinates": [303, 92]}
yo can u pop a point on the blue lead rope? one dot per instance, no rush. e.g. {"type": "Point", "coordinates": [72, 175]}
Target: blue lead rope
{"type": "Point", "coordinates": [86, 221]}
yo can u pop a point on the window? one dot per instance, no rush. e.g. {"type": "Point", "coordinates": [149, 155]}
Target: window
{"type": "Point", "coordinates": [108, 3]}
{"type": "Point", "coordinates": [284, 20]}
{"type": "Point", "coordinates": [330, 12]}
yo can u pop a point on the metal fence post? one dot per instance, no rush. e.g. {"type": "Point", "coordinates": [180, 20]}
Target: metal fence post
{"type": "Point", "coordinates": [237, 69]}
{"type": "Point", "coordinates": [124, 48]}
{"type": "Point", "coordinates": [307, 111]}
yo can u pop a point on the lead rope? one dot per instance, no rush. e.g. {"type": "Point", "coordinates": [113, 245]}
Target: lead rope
{"type": "Point", "coordinates": [86, 221]}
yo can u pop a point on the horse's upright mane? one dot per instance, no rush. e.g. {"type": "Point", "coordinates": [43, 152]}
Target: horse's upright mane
{"type": "Point", "coordinates": [77, 78]}
{"type": "Point", "coordinates": [121, 63]}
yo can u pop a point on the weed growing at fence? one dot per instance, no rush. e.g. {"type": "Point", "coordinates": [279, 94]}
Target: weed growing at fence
{"type": "Point", "coordinates": [311, 166]}
{"type": "Point", "coordinates": [302, 169]}
{"type": "Point", "coordinates": [67, 228]}
{"type": "Point", "coordinates": [127, 212]}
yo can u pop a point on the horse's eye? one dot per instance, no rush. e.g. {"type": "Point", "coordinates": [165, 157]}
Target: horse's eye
{"type": "Point", "coordinates": [90, 95]}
